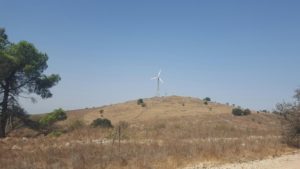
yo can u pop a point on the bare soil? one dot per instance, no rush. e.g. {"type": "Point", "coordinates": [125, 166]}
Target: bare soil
{"type": "Point", "coordinates": [290, 161]}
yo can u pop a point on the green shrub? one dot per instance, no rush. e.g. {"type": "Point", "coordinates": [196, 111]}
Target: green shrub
{"type": "Point", "coordinates": [207, 99]}
{"type": "Point", "coordinates": [241, 112]}
{"type": "Point", "coordinates": [237, 112]}
{"type": "Point", "coordinates": [206, 103]}
{"type": "Point", "coordinates": [55, 133]}
{"type": "Point", "coordinates": [103, 123]}
{"type": "Point", "coordinates": [140, 102]}
{"type": "Point", "coordinates": [56, 115]}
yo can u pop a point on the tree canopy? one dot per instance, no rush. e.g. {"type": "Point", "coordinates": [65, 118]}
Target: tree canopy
{"type": "Point", "coordinates": [21, 72]}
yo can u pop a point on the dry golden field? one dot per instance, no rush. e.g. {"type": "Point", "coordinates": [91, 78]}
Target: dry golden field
{"type": "Point", "coordinates": [171, 132]}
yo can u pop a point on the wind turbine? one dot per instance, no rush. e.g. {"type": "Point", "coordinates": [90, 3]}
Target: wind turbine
{"type": "Point", "coordinates": [159, 80]}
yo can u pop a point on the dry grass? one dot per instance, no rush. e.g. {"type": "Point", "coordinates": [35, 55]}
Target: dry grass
{"type": "Point", "coordinates": [170, 154]}
{"type": "Point", "coordinates": [150, 141]}
{"type": "Point", "coordinates": [162, 108]}
{"type": "Point", "coordinates": [163, 144]}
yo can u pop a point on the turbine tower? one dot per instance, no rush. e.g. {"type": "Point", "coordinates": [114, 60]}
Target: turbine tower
{"type": "Point", "coordinates": [159, 80]}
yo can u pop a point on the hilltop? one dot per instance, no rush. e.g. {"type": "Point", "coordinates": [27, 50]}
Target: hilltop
{"type": "Point", "coordinates": [155, 108]}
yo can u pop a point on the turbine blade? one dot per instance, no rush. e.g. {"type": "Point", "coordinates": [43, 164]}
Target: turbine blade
{"type": "Point", "coordinates": [154, 78]}
{"type": "Point", "coordinates": [161, 80]}
{"type": "Point", "coordinates": [159, 73]}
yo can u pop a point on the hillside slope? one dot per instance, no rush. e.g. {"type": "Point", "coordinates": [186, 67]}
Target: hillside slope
{"type": "Point", "coordinates": [156, 108]}
{"type": "Point", "coordinates": [167, 133]}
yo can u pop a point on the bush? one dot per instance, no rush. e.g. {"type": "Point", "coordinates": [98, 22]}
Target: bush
{"type": "Point", "coordinates": [237, 112]}
{"type": "Point", "coordinates": [140, 102]}
{"type": "Point", "coordinates": [207, 99]}
{"type": "Point", "coordinates": [103, 123]}
{"type": "Point", "coordinates": [291, 130]}
{"type": "Point", "coordinates": [56, 115]}
{"type": "Point", "coordinates": [206, 103]}
{"type": "Point", "coordinates": [247, 112]}
{"type": "Point", "coordinates": [241, 112]}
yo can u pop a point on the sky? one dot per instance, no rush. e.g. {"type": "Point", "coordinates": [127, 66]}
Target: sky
{"type": "Point", "coordinates": [244, 52]}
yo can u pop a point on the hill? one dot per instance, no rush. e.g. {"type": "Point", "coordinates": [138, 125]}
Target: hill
{"type": "Point", "coordinates": [155, 108]}
{"type": "Point", "coordinates": [165, 133]}
{"type": "Point", "coordinates": [174, 108]}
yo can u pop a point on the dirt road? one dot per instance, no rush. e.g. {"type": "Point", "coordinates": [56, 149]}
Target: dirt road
{"type": "Point", "coordinates": [284, 162]}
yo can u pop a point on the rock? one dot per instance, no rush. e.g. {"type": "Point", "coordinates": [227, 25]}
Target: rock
{"type": "Point", "coordinates": [6, 139]}
{"type": "Point", "coordinates": [67, 144]}
{"type": "Point", "coordinates": [16, 147]}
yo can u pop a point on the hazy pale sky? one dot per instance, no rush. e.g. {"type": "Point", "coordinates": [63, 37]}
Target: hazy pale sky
{"type": "Point", "coordinates": [243, 52]}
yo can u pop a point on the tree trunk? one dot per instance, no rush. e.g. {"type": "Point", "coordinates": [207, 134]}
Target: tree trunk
{"type": "Point", "coordinates": [2, 127]}
{"type": "Point", "coordinates": [4, 115]}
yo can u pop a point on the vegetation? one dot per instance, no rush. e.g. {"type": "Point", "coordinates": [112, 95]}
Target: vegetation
{"type": "Point", "coordinates": [247, 112]}
{"type": "Point", "coordinates": [55, 133]}
{"type": "Point", "coordinates": [241, 112]}
{"type": "Point", "coordinates": [141, 102]}
{"type": "Point", "coordinates": [207, 99]}
{"type": "Point", "coordinates": [103, 123]}
{"type": "Point", "coordinates": [56, 115]}
{"type": "Point", "coordinates": [157, 143]}
{"type": "Point", "coordinates": [76, 124]}
{"type": "Point", "coordinates": [291, 123]}
{"type": "Point", "coordinates": [22, 67]}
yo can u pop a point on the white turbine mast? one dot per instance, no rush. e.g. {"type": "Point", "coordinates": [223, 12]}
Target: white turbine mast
{"type": "Point", "coordinates": [159, 80]}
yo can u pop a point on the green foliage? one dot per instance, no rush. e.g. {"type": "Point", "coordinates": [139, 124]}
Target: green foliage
{"type": "Point", "coordinates": [56, 115]}
{"type": "Point", "coordinates": [21, 72]}
{"type": "Point", "coordinates": [237, 112]}
{"type": "Point", "coordinates": [3, 39]}
{"type": "Point", "coordinates": [55, 133]}
{"type": "Point", "coordinates": [241, 112]}
{"type": "Point", "coordinates": [206, 103]}
{"type": "Point", "coordinates": [207, 99]}
{"type": "Point", "coordinates": [103, 123]}
{"type": "Point", "coordinates": [140, 101]}
{"type": "Point", "coordinates": [26, 65]}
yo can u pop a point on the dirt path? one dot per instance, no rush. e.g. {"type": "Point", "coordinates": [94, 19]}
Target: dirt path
{"type": "Point", "coordinates": [284, 162]}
